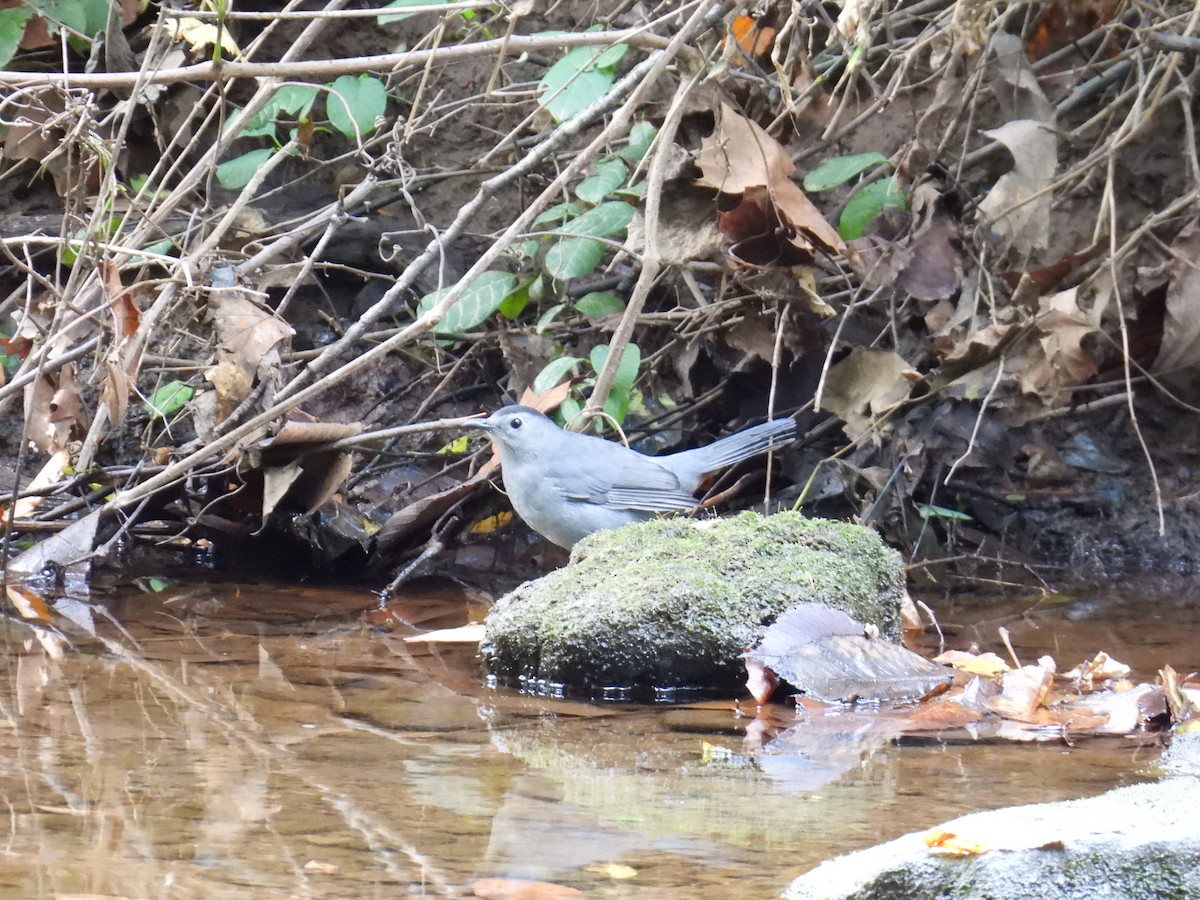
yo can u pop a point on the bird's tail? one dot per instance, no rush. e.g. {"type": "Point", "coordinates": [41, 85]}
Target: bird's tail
{"type": "Point", "coordinates": [773, 435]}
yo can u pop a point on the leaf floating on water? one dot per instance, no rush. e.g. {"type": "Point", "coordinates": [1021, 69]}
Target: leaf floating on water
{"type": "Point", "coordinates": [822, 651]}
{"type": "Point", "coordinates": [616, 871]}
{"type": "Point", "coordinates": [517, 889]}
{"type": "Point", "coordinates": [988, 665]}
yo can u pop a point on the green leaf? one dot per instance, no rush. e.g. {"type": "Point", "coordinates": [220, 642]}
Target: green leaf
{"type": "Point", "coordinates": [568, 411]}
{"type": "Point", "coordinates": [579, 79]}
{"type": "Point", "coordinates": [610, 175]}
{"type": "Point", "coordinates": [627, 368]}
{"type": "Point", "coordinates": [559, 212]}
{"type": "Point", "coordinates": [12, 29]}
{"type": "Point", "coordinates": [634, 192]}
{"type": "Point", "coordinates": [157, 585]}
{"type": "Point", "coordinates": [928, 511]}
{"type": "Point", "coordinates": [87, 17]}
{"type": "Point", "coordinates": [107, 228]}
{"type": "Point", "coordinates": [617, 404]}
{"type": "Point", "coordinates": [553, 372]}
{"type": "Point", "coordinates": [512, 305]}
{"type": "Point", "coordinates": [573, 258]}
{"type": "Point", "coordinates": [169, 399]}
{"type": "Point", "coordinates": [354, 104]}
{"type": "Point", "coordinates": [295, 99]}
{"type": "Point", "coordinates": [606, 220]}
{"type": "Point", "coordinates": [839, 170]}
{"type": "Point", "coordinates": [867, 204]}
{"type": "Point", "coordinates": [481, 298]}
{"type": "Point", "coordinates": [548, 316]}
{"type": "Point", "coordinates": [390, 18]}
{"type": "Point", "coordinates": [598, 305]}
{"type": "Point", "coordinates": [237, 172]}
{"type": "Point", "coordinates": [611, 55]}
{"type": "Point", "coordinates": [261, 124]}
{"type": "Point", "coordinates": [641, 136]}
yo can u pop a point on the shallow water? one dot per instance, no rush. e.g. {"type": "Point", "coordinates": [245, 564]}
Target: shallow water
{"type": "Point", "coordinates": [266, 741]}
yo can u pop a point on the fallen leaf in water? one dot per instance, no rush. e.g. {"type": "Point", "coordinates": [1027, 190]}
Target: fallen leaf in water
{"type": "Point", "coordinates": [988, 665]}
{"type": "Point", "coordinates": [28, 603]}
{"type": "Point", "coordinates": [1101, 667]}
{"type": "Point", "coordinates": [321, 868]}
{"type": "Point", "coordinates": [823, 652]}
{"type": "Point", "coordinates": [516, 889]}
{"type": "Point", "coordinates": [616, 871]}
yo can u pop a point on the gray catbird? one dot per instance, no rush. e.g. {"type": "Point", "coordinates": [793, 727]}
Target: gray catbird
{"type": "Point", "coordinates": [566, 485]}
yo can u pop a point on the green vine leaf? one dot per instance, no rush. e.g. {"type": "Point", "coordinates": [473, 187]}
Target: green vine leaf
{"type": "Point", "coordinates": [481, 298]}
{"type": "Point", "coordinates": [354, 104]}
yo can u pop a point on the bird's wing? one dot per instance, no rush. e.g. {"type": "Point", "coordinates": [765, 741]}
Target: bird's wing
{"type": "Point", "coordinates": [639, 483]}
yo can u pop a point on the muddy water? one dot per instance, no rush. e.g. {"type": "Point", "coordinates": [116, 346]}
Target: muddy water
{"type": "Point", "coordinates": [248, 741]}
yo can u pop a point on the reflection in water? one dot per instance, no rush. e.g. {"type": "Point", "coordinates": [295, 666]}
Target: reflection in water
{"type": "Point", "coordinates": [263, 742]}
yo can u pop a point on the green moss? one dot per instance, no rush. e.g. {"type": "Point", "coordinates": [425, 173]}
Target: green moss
{"type": "Point", "coordinates": [674, 602]}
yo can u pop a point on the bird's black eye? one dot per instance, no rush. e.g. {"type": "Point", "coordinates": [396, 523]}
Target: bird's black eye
{"type": "Point", "coordinates": [515, 424]}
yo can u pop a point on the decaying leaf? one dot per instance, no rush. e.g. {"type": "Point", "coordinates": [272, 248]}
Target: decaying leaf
{"type": "Point", "coordinates": [1179, 356]}
{"type": "Point", "coordinates": [986, 664]}
{"type": "Point", "coordinates": [865, 385]}
{"type": "Point", "coordinates": [741, 159]}
{"type": "Point", "coordinates": [55, 413]}
{"type": "Point", "coordinates": [248, 339]}
{"type": "Point", "coordinates": [1017, 208]}
{"type": "Point", "coordinates": [823, 652]}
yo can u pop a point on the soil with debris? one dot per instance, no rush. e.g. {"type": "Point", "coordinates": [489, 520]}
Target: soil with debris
{"type": "Point", "coordinates": [959, 245]}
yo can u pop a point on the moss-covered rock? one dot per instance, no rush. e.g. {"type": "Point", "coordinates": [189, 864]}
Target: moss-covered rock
{"type": "Point", "coordinates": [674, 602]}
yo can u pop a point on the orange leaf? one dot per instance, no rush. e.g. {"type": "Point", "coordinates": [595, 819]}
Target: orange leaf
{"type": "Point", "coordinates": [27, 603]}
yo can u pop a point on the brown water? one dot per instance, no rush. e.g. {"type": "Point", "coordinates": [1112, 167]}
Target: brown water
{"type": "Point", "coordinates": [261, 742]}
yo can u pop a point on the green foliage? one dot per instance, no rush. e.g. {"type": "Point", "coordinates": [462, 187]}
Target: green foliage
{"type": "Point", "coordinates": [169, 399]}
{"type": "Point", "coordinates": [84, 18]}
{"type": "Point", "coordinates": [837, 171]}
{"type": "Point", "coordinates": [867, 204]}
{"type": "Point", "coordinates": [481, 298]}
{"type": "Point", "coordinates": [610, 175]}
{"type": "Point", "coordinates": [598, 305]}
{"type": "Point", "coordinates": [579, 79]}
{"type": "Point", "coordinates": [12, 29]}
{"type": "Point", "coordinates": [620, 394]}
{"type": "Point", "coordinates": [354, 103]}
{"type": "Point", "coordinates": [641, 136]}
{"type": "Point", "coordinates": [70, 251]}
{"type": "Point", "coordinates": [237, 172]}
{"type": "Point", "coordinates": [554, 372]}
{"type": "Point", "coordinates": [391, 18]}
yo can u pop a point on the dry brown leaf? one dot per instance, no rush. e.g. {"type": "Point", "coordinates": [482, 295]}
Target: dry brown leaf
{"type": "Point", "coordinates": [51, 473]}
{"type": "Point", "coordinates": [1022, 692]}
{"type": "Point", "coordinates": [517, 889]}
{"type": "Point", "coordinates": [1017, 208]}
{"type": "Point", "coordinates": [248, 339]}
{"type": "Point", "coordinates": [28, 603]}
{"type": "Point", "coordinates": [988, 665]}
{"type": "Point", "coordinates": [54, 410]}
{"type": "Point", "coordinates": [865, 385]}
{"type": "Point", "coordinates": [740, 155]}
{"type": "Point", "coordinates": [1179, 356]}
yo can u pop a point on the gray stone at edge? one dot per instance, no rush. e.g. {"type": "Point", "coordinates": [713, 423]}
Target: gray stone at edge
{"type": "Point", "coordinates": [675, 602]}
{"type": "Point", "coordinates": [1131, 843]}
